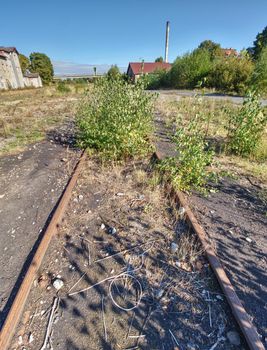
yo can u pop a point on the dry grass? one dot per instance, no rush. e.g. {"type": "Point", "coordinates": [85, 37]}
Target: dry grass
{"type": "Point", "coordinates": [27, 115]}
{"type": "Point", "coordinates": [214, 112]}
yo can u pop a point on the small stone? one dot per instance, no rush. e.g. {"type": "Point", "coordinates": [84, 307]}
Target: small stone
{"type": "Point", "coordinates": [219, 297]}
{"type": "Point", "coordinates": [103, 226]}
{"type": "Point", "coordinates": [178, 263]}
{"type": "Point", "coordinates": [75, 200]}
{"type": "Point", "coordinates": [58, 283]}
{"type": "Point", "coordinates": [30, 338]}
{"type": "Point", "coordinates": [231, 232]}
{"type": "Point", "coordinates": [249, 240]}
{"type": "Point", "coordinates": [80, 197]}
{"type": "Point", "coordinates": [112, 230]}
{"type": "Point", "coordinates": [174, 247]}
{"type": "Point", "coordinates": [20, 340]}
{"type": "Point", "coordinates": [181, 212]}
{"type": "Point", "coordinates": [120, 194]}
{"type": "Point", "coordinates": [159, 293]}
{"type": "Point", "coordinates": [233, 338]}
{"type": "Point", "coordinates": [64, 160]}
{"type": "Point", "coordinates": [2, 196]}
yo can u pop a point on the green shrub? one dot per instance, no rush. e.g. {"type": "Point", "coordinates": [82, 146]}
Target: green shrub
{"type": "Point", "coordinates": [187, 71]}
{"type": "Point", "coordinates": [157, 80]}
{"type": "Point", "coordinates": [259, 77]}
{"type": "Point", "coordinates": [246, 126]}
{"type": "Point", "coordinates": [115, 119]}
{"type": "Point", "coordinates": [231, 74]}
{"type": "Point", "coordinates": [63, 87]}
{"type": "Point", "coordinates": [189, 168]}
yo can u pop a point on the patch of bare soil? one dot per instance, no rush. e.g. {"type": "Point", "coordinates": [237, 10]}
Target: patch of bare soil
{"type": "Point", "coordinates": [133, 275]}
{"type": "Point", "coordinates": [31, 183]}
{"type": "Point", "coordinates": [235, 219]}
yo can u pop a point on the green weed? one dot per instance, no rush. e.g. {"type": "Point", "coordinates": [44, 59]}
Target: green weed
{"type": "Point", "coordinates": [115, 119]}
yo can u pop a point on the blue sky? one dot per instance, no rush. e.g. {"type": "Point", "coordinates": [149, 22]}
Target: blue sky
{"type": "Point", "coordinates": [77, 33]}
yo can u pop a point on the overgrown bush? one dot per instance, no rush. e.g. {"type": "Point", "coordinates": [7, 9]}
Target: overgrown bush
{"type": "Point", "coordinates": [231, 74]}
{"type": "Point", "coordinates": [158, 79]}
{"type": "Point", "coordinates": [246, 126]}
{"type": "Point", "coordinates": [115, 119]}
{"type": "Point", "coordinates": [259, 77]}
{"type": "Point", "coordinates": [188, 70]}
{"type": "Point", "coordinates": [63, 87]}
{"type": "Point", "coordinates": [189, 168]}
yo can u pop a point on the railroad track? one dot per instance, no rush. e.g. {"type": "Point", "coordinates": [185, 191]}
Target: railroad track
{"type": "Point", "coordinates": [15, 312]}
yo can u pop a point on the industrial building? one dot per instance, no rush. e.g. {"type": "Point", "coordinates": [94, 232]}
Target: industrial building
{"type": "Point", "coordinates": [11, 76]}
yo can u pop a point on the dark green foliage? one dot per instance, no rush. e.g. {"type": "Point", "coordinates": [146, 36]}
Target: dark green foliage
{"type": "Point", "coordinates": [113, 72]}
{"type": "Point", "coordinates": [24, 63]}
{"type": "Point", "coordinates": [213, 48]}
{"type": "Point", "coordinates": [259, 77]}
{"type": "Point", "coordinates": [115, 119]}
{"type": "Point", "coordinates": [231, 74]}
{"type": "Point", "coordinates": [40, 63]}
{"type": "Point", "coordinates": [188, 70]}
{"type": "Point", "coordinates": [159, 59]}
{"type": "Point", "coordinates": [259, 44]}
{"type": "Point", "coordinates": [246, 126]}
{"type": "Point", "coordinates": [158, 79]}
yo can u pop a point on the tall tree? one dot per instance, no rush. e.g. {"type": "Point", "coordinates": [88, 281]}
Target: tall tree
{"type": "Point", "coordinates": [113, 72]}
{"type": "Point", "coordinates": [24, 63]}
{"type": "Point", "coordinates": [41, 63]}
{"type": "Point", "coordinates": [259, 77]}
{"type": "Point", "coordinates": [213, 48]}
{"type": "Point", "coordinates": [159, 59]}
{"type": "Point", "coordinates": [259, 44]}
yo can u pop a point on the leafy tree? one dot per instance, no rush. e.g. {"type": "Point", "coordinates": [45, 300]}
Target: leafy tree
{"type": "Point", "coordinates": [113, 72]}
{"type": "Point", "coordinates": [94, 70]}
{"type": "Point", "coordinates": [214, 49]}
{"type": "Point", "coordinates": [159, 59]}
{"type": "Point", "coordinates": [191, 68]}
{"type": "Point", "coordinates": [40, 63]}
{"type": "Point", "coordinates": [231, 73]}
{"type": "Point", "coordinates": [157, 79]}
{"type": "Point", "coordinates": [259, 77]}
{"type": "Point", "coordinates": [259, 44]}
{"type": "Point", "coordinates": [24, 63]}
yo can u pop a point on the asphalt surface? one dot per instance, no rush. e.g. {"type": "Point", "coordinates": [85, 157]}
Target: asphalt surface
{"type": "Point", "coordinates": [177, 94]}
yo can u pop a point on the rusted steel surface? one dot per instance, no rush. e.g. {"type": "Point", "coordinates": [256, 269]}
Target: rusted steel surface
{"type": "Point", "coordinates": [239, 312]}
{"type": "Point", "coordinates": [16, 309]}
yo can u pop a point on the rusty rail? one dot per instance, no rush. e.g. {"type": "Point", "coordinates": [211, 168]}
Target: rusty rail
{"type": "Point", "coordinates": [239, 312]}
{"type": "Point", "coordinates": [17, 306]}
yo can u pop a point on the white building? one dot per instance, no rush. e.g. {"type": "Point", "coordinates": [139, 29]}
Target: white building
{"type": "Point", "coordinates": [11, 76]}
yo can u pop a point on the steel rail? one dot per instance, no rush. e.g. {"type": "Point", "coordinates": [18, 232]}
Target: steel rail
{"type": "Point", "coordinates": [17, 306]}
{"type": "Point", "coordinates": [238, 310]}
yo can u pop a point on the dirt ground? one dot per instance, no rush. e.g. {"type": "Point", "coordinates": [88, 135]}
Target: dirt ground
{"type": "Point", "coordinates": [31, 183]}
{"type": "Point", "coordinates": [121, 227]}
{"type": "Point", "coordinates": [235, 218]}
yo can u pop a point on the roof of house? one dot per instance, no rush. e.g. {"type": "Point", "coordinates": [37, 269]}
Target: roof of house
{"type": "Point", "coordinates": [230, 52]}
{"type": "Point", "coordinates": [8, 49]}
{"type": "Point", "coordinates": [2, 54]}
{"type": "Point", "coordinates": [148, 67]}
{"type": "Point", "coordinates": [31, 75]}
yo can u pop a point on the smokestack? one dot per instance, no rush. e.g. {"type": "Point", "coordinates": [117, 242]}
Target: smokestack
{"type": "Point", "coordinates": [167, 41]}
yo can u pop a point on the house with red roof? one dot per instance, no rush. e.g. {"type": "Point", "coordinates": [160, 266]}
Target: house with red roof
{"type": "Point", "coordinates": [136, 69]}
